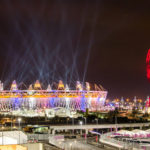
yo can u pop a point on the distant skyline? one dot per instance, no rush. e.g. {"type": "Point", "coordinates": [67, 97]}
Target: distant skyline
{"type": "Point", "coordinates": [101, 42]}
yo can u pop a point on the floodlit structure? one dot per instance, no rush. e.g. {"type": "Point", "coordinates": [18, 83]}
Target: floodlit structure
{"type": "Point", "coordinates": [60, 112]}
{"type": "Point", "coordinates": [35, 98]}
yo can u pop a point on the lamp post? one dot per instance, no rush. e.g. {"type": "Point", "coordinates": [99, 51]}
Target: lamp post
{"type": "Point", "coordinates": [71, 146]}
{"type": "Point", "coordinates": [73, 123]}
{"type": "Point", "coordinates": [81, 122]}
{"type": "Point", "coordinates": [85, 124]}
{"type": "Point", "coordinates": [96, 121]}
{"type": "Point", "coordinates": [67, 120]}
{"type": "Point", "coordinates": [11, 123]}
{"type": "Point", "coordinates": [85, 120]}
{"type": "Point", "coordinates": [116, 122]}
{"type": "Point", "coordinates": [97, 128]}
{"type": "Point", "coordinates": [2, 135]}
{"type": "Point", "coordinates": [19, 120]}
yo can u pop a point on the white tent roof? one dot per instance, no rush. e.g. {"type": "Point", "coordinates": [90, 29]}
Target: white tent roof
{"type": "Point", "coordinates": [18, 136]}
{"type": "Point", "coordinates": [4, 140]}
{"type": "Point", "coordinates": [135, 132]}
{"type": "Point", "coordinates": [138, 131]}
{"type": "Point", "coordinates": [148, 130]}
{"type": "Point", "coordinates": [124, 132]}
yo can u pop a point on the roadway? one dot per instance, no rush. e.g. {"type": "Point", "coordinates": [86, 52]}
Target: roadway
{"type": "Point", "coordinates": [50, 147]}
{"type": "Point", "coordinates": [97, 126]}
{"type": "Point", "coordinates": [82, 145]}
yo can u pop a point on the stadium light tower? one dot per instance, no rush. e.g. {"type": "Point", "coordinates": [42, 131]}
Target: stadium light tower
{"type": "Point", "coordinates": [14, 86]}
{"type": "Point", "coordinates": [19, 121]}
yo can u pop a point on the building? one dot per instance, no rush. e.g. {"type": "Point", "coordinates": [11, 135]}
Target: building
{"type": "Point", "coordinates": [36, 98]}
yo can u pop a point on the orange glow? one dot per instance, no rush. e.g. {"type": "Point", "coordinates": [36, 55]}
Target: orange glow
{"type": "Point", "coordinates": [46, 95]}
{"type": "Point", "coordinates": [60, 85]}
{"type": "Point", "coordinates": [12, 147]}
{"type": "Point", "coordinates": [140, 100]}
{"type": "Point", "coordinates": [37, 85]}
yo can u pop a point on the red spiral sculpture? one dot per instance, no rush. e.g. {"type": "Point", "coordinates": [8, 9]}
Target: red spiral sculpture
{"type": "Point", "coordinates": [148, 65]}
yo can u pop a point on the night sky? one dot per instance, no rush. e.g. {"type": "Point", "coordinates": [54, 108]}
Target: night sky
{"type": "Point", "coordinates": [103, 42]}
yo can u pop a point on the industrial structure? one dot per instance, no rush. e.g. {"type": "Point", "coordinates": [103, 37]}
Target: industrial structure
{"type": "Point", "coordinates": [36, 98]}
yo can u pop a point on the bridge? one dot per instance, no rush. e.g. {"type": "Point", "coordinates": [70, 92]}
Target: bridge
{"type": "Point", "coordinates": [53, 129]}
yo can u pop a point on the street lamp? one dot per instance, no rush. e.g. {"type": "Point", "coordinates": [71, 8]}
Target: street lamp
{"type": "Point", "coordinates": [85, 120]}
{"type": "Point", "coordinates": [11, 121]}
{"type": "Point", "coordinates": [67, 120]}
{"type": "Point", "coordinates": [96, 121]}
{"type": "Point", "coordinates": [85, 124]}
{"type": "Point", "coordinates": [2, 135]}
{"type": "Point", "coordinates": [97, 127]}
{"type": "Point", "coordinates": [19, 120]}
{"type": "Point", "coordinates": [81, 123]}
{"type": "Point", "coordinates": [116, 122]}
{"type": "Point", "coordinates": [71, 146]}
{"type": "Point", "coordinates": [73, 123]}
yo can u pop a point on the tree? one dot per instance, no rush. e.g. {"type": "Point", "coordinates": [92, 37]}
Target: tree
{"type": "Point", "coordinates": [134, 112]}
{"type": "Point", "coordinates": [113, 115]}
{"type": "Point", "coordinates": [146, 115]}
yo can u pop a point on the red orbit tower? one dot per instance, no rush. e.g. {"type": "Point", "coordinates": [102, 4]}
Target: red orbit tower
{"type": "Point", "coordinates": [148, 75]}
{"type": "Point", "coordinates": [148, 65]}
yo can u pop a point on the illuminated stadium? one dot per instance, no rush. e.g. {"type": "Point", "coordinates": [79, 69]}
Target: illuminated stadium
{"type": "Point", "coordinates": [35, 98]}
